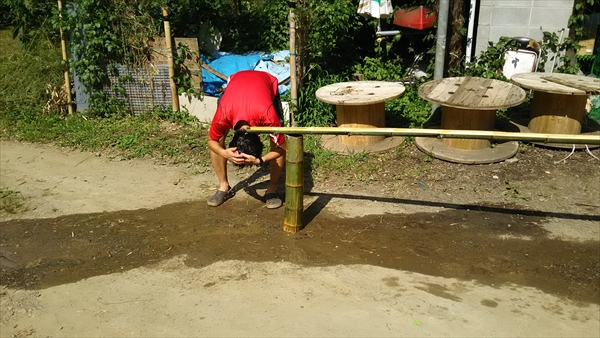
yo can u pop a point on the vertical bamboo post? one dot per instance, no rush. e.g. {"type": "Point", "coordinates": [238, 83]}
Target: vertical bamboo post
{"type": "Point", "coordinates": [294, 183]}
{"type": "Point", "coordinates": [293, 81]}
{"type": "Point", "coordinates": [169, 41]}
{"type": "Point", "coordinates": [63, 45]}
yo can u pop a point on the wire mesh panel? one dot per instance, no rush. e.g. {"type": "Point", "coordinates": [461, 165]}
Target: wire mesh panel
{"type": "Point", "coordinates": [141, 89]}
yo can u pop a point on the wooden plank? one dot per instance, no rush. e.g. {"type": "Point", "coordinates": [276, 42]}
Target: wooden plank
{"type": "Point", "coordinates": [218, 74]}
{"type": "Point", "coordinates": [501, 97]}
{"type": "Point", "coordinates": [440, 91]}
{"type": "Point", "coordinates": [535, 82]}
{"type": "Point", "coordinates": [472, 93]}
{"type": "Point", "coordinates": [581, 85]}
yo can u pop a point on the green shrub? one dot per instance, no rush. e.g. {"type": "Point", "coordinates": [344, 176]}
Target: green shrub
{"type": "Point", "coordinates": [312, 112]}
{"type": "Point", "coordinates": [25, 72]}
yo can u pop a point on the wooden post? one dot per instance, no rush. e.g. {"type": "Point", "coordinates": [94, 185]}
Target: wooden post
{"type": "Point", "coordinates": [63, 45]}
{"type": "Point", "coordinates": [293, 81]}
{"type": "Point", "coordinates": [294, 183]}
{"type": "Point", "coordinates": [169, 41]}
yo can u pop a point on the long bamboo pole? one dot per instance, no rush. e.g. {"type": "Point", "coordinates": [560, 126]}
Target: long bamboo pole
{"type": "Point", "coordinates": [63, 45]}
{"type": "Point", "coordinates": [171, 62]}
{"type": "Point", "coordinates": [294, 183]}
{"type": "Point", "coordinates": [439, 133]}
{"type": "Point", "coordinates": [293, 81]}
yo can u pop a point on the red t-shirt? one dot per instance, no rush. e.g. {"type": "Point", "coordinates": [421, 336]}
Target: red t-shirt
{"type": "Point", "coordinates": [249, 96]}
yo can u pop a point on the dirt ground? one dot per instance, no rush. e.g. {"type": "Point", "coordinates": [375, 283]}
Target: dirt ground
{"type": "Point", "coordinates": [105, 247]}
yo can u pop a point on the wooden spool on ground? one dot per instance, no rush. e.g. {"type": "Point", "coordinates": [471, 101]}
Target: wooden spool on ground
{"type": "Point", "coordinates": [360, 104]}
{"type": "Point", "coordinates": [470, 103]}
{"type": "Point", "coordinates": [558, 105]}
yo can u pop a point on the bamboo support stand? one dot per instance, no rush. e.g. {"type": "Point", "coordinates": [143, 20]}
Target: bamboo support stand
{"type": "Point", "coordinates": [294, 183]}
{"type": "Point", "coordinates": [169, 41]}
{"type": "Point", "coordinates": [63, 45]}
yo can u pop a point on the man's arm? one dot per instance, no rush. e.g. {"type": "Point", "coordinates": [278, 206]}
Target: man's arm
{"type": "Point", "coordinates": [275, 153]}
{"type": "Point", "coordinates": [229, 154]}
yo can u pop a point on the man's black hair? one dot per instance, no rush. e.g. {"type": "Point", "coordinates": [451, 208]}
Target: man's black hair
{"type": "Point", "coordinates": [247, 143]}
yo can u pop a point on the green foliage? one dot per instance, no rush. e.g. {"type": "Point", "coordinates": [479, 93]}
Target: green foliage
{"type": "Point", "coordinates": [490, 62]}
{"type": "Point", "coordinates": [514, 191]}
{"type": "Point", "coordinates": [561, 58]}
{"type": "Point", "coordinates": [563, 49]}
{"type": "Point", "coordinates": [31, 20]}
{"type": "Point", "coordinates": [25, 73]}
{"type": "Point", "coordinates": [243, 25]}
{"type": "Point", "coordinates": [340, 42]}
{"type": "Point", "coordinates": [313, 112]}
{"type": "Point", "coordinates": [595, 111]}
{"type": "Point", "coordinates": [180, 117]}
{"type": "Point", "coordinates": [127, 136]}
{"type": "Point", "coordinates": [184, 78]}
{"type": "Point", "coordinates": [407, 110]}
{"type": "Point", "coordinates": [337, 36]}
{"type": "Point", "coordinates": [272, 16]}
{"type": "Point", "coordinates": [332, 162]}
{"type": "Point", "coordinates": [374, 68]}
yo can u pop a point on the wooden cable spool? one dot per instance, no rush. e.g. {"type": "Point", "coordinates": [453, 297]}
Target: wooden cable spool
{"type": "Point", "coordinates": [470, 103]}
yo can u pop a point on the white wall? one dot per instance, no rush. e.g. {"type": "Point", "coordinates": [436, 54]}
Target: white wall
{"type": "Point", "coordinates": [528, 18]}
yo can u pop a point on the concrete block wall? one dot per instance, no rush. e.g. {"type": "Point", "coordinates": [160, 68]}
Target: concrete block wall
{"type": "Point", "coordinates": [205, 109]}
{"type": "Point", "coordinates": [528, 18]}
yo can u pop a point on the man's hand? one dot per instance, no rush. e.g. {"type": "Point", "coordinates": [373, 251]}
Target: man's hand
{"type": "Point", "coordinates": [251, 159]}
{"type": "Point", "coordinates": [234, 156]}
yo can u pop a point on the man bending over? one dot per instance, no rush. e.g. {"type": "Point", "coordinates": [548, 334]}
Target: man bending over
{"type": "Point", "coordinates": [251, 98]}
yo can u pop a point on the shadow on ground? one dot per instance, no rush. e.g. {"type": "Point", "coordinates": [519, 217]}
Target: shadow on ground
{"type": "Point", "coordinates": [489, 244]}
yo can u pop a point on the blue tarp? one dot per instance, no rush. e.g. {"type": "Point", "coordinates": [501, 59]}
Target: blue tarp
{"type": "Point", "coordinates": [228, 64]}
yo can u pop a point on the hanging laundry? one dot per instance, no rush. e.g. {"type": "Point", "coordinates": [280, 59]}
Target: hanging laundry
{"type": "Point", "coordinates": [375, 8]}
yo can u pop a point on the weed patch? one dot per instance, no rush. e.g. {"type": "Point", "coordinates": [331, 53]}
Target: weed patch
{"type": "Point", "coordinates": [12, 202]}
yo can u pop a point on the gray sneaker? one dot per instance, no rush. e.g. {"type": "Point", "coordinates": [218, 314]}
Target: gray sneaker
{"type": "Point", "coordinates": [220, 197]}
{"type": "Point", "coordinates": [273, 201]}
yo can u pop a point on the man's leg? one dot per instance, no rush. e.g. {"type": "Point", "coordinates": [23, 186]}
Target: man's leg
{"type": "Point", "coordinates": [276, 168]}
{"type": "Point", "coordinates": [219, 164]}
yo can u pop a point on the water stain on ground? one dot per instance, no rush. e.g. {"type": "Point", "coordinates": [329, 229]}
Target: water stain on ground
{"type": "Point", "coordinates": [464, 244]}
